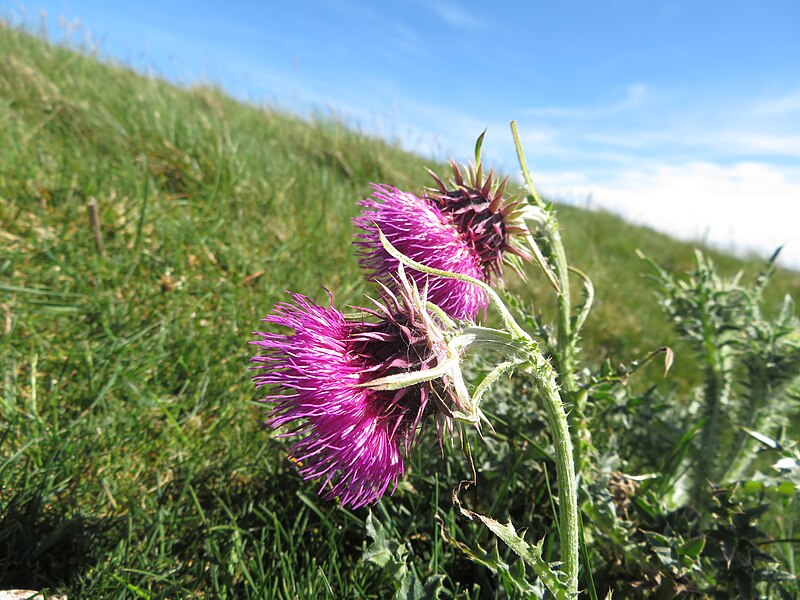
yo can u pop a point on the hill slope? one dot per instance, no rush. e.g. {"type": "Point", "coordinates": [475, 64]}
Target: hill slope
{"type": "Point", "coordinates": [130, 442]}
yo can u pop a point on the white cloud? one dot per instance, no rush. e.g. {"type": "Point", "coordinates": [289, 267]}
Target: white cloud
{"type": "Point", "coordinates": [635, 96]}
{"type": "Point", "coordinates": [747, 207]}
{"type": "Point", "coordinates": [454, 15]}
{"type": "Point", "coordinates": [780, 106]}
{"type": "Point", "coordinates": [780, 144]}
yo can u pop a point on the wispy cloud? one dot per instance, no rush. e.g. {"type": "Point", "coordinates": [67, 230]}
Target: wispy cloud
{"type": "Point", "coordinates": [635, 96]}
{"type": "Point", "coordinates": [763, 143]}
{"type": "Point", "coordinates": [746, 207]}
{"type": "Point", "coordinates": [722, 142]}
{"type": "Point", "coordinates": [780, 106]}
{"type": "Point", "coordinates": [454, 15]}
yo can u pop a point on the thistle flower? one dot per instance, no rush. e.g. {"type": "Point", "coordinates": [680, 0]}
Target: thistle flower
{"type": "Point", "coordinates": [358, 391]}
{"type": "Point", "coordinates": [418, 229]}
{"type": "Point", "coordinates": [467, 228]}
{"type": "Point", "coordinates": [489, 220]}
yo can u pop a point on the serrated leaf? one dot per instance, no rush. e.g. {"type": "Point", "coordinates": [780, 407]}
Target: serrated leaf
{"type": "Point", "coordinates": [692, 548]}
{"type": "Point", "coordinates": [391, 556]}
{"type": "Point", "coordinates": [410, 588]}
{"type": "Point", "coordinates": [382, 549]}
{"type": "Point", "coordinates": [388, 554]}
{"type": "Point", "coordinates": [514, 580]}
{"type": "Point", "coordinates": [433, 585]}
{"type": "Point", "coordinates": [532, 555]}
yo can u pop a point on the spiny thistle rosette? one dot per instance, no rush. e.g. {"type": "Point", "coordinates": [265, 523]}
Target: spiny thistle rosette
{"type": "Point", "coordinates": [358, 390]}
{"type": "Point", "coordinates": [468, 226]}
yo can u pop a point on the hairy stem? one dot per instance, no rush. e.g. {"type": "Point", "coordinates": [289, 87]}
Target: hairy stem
{"type": "Point", "coordinates": [545, 381]}
{"type": "Point", "coordinates": [566, 333]}
{"type": "Point", "coordinates": [716, 395]}
{"type": "Point", "coordinates": [565, 351]}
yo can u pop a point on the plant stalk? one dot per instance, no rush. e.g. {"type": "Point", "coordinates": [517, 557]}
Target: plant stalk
{"type": "Point", "coordinates": [544, 379]}
{"type": "Point", "coordinates": [716, 395]}
{"type": "Point", "coordinates": [565, 340]}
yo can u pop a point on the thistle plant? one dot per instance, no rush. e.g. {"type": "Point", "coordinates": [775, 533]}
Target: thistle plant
{"type": "Point", "coordinates": [358, 389]}
{"type": "Point", "coordinates": [751, 363]}
{"type": "Point", "coordinates": [468, 226]}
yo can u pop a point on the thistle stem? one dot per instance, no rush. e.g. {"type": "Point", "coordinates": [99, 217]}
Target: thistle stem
{"type": "Point", "coordinates": [566, 332]}
{"type": "Point", "coordinates": [565, 339]}
{"type": "Point", "coordinates": [546, 383]}
{"type": "Point", "coordinates": [544, 379]}
{"type": "Point", "coordinates": [716, 395]}
{"type": "Point", "coordinates": [565, 351]}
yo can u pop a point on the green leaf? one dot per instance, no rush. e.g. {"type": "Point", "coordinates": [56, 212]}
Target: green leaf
{"type": "Point", "coordinates": [433, 585]}
{"type": "Point", "coordinates": [384, 551]}
{"type": "Point", "coordinates": [478, 145]}
{"type": "Point", "coordinates": [514, 581]}
{"type": "Point", "coordinates": [410, 588]}
{"type": "Point", "coordinates": [692, 548]}
{"type": "Point", "coordinates": [553, 578]}
{"type": "Point", "coordinates": [392, 556]}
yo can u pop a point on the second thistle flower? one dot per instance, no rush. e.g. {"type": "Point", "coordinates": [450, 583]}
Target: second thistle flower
{"type": "Point", "coordinates": [358, 391]}
{"type": "Point", "coordinates": [467, 226]}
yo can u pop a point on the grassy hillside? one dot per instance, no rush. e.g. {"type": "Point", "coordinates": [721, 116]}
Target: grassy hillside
{"type": "Point", "coordinates": [131, 457]}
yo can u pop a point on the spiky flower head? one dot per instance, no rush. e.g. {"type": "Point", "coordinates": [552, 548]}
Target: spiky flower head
{"type": "Point", "coordinates": [468, 225]}
{"type": "Point", "coordinates": [357, 390]}
{"type": "Point", "coordinates": [421, 231]}
{"type": "Point", "coordinates": [486, 217]}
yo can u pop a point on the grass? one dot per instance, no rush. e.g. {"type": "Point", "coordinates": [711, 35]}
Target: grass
{"type": "Point", "coordinates": [132, 461]}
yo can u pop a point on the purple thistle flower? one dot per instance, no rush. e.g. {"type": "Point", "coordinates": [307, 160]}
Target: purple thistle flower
{"type": "Point", "coordinates": [421, 231]}
{"type": "Point", "coordinates": [468, 227]}
{"type": "Point", "coordinates": [354, 435]}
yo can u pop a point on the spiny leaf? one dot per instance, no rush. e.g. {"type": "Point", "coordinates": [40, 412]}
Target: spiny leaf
{"type": "Point", "coordinates": [478, 146]}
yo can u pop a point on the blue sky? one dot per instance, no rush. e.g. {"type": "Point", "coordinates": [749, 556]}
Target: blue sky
{"type": "Point", "coordinates": [681, 115]}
